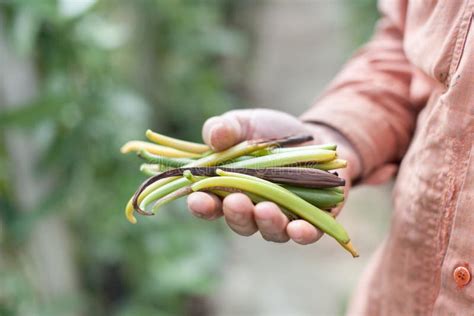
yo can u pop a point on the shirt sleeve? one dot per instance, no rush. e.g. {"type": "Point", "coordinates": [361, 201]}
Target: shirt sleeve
{"type": "Point", "coordinates": [369, 101]}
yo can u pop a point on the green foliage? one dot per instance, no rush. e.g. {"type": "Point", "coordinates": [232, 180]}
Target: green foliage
{"type": "Point", "coordinates": [362, 15]}
{"type": "Point", "coordinates": [106, 73]}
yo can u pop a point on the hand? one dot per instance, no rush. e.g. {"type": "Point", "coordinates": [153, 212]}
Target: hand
{"type": "Point", "coordinates": [221, 132]}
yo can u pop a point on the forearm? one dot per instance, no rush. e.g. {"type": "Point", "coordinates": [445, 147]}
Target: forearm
{"type": "Point", "coordinates": [371, 103]}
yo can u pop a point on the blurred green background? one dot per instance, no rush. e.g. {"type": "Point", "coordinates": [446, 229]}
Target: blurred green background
{"type": "Point", "coordinates": [80, 77]}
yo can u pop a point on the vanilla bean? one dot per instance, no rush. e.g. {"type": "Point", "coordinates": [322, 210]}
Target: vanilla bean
{"type": "Point", "coordinates": [303, 177]}
{"type": "Point", "coordinates": [287, 141]}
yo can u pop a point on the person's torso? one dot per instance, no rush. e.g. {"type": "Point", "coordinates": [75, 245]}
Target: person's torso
{"type": "Point", "coordinates": [428, 258]}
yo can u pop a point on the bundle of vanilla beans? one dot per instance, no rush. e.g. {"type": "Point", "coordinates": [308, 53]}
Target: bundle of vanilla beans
{"type": "Point", "coordinates": [300, 179]}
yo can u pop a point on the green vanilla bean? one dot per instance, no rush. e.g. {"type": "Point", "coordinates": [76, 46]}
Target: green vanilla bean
{"type": "Point", "coordinates": [172, 196]}
{"type": "Point", "coordinates": [162, 191]}
{"type": "Point", "coordinates": [277, 150]}
{"type": "Point", "coordinates": [150, 170]}
{"type": "Point", "coordinates": [183, 191]}
{"type": "Point", "coordinates": [224, 191]}
{"type": "Point", "coordinates": [188, 175]}
{"type": "Point", "coordinates": [335, 189]}
{"type": "Point", "coordinates": [281, 159]}
{"type": "Point", "coordinates": [241, 158]}
{"type": "Point", "coordinates": [273, 192]}
{"type": "Point", "coordinates": [318, 197]}
{"type": "Point", "coordinates": [162, 160]}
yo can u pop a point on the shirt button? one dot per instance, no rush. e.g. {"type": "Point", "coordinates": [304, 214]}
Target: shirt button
{"type": "Point", "coordinates": [461, 276]}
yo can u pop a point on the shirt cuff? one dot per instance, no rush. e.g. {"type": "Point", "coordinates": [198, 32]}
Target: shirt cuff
{"type": "Point", "coordinates": [363, 125]}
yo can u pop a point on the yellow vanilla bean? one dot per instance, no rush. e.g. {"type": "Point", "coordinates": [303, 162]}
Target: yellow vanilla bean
{"type": "Point", "coordinates": [138, 146]}
{"type": "Point", "coordinates": [176, 143]}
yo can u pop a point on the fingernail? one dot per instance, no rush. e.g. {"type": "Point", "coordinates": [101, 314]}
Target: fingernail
{"type": "Point", "coordinates": [222, 135]}
{"type": "Point", "coordinates": [215, 138]}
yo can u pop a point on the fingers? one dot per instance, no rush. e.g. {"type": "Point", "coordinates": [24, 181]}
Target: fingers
{"type": "Point", "coordinates": [205, 205]}
{"type": "Point", "coordinates": [238, 212]}
{"type": "Point", "coordinates": [302, 232]}
{"type": "Point", "coordinates": [271, 222]}
{"type": "Point", "coordinates": [245, 219]}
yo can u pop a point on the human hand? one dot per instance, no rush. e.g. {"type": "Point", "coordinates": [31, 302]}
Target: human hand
{"type": "Point", "coordinates": [242, 216]}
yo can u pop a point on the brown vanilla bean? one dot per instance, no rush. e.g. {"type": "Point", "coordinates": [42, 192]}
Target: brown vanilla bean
{"type": "Point", "coordinates": [292, 140]}
{"type": "Point", "coordinates": [304, 177]}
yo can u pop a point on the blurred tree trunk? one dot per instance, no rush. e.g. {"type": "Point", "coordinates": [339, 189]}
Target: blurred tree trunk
{"type": "Point", "coordinates": [49, 254]}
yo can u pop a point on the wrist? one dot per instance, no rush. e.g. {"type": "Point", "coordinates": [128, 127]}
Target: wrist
{"type": "Point", "coordinates": [345, 150]}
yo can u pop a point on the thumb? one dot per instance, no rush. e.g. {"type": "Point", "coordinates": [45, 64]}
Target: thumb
{"type": "Point", "coordinates": [222, 132]}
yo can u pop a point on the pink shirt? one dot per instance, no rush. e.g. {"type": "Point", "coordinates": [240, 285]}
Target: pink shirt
{"type": "Point", "coordinates": [407, 98]}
